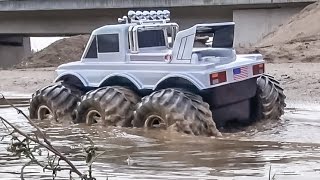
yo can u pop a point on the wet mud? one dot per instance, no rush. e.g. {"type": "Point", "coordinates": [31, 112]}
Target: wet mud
{"type": "Point", "coordinates": [291, 146]}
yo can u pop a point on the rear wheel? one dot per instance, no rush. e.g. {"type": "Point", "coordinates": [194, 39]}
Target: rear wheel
{"type": "Point", "coordinates": [184, 111]}
{"type": "Point", "coordinates": [111, 106]}
{"type": "Point", "coordinates": [269, 102]}
{"type": "Point", "coordinates": [52, 102]}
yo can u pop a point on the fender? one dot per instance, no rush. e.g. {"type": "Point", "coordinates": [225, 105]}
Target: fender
{"type": "Point", "coordinates": [136, 82]}
{"type": "Point", "coordinates": [82, 79]}
{"type": "Point", "coordinates": [190, 78]}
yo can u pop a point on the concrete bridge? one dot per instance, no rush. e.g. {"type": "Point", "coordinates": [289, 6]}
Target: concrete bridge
{"type": "Point", "coordinates": [24, 18]}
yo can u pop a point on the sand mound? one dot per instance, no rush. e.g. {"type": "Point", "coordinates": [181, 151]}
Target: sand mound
{"type": "Point", "coordinates": [62, 51]}
{"type": "Point", "coordinates": [297, 40]}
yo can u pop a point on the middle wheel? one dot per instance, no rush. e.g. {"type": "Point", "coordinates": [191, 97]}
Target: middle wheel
{"type": "Point", "coordinates": [110, 106]}
{"type": "Point", "coordinates": [185, 111]}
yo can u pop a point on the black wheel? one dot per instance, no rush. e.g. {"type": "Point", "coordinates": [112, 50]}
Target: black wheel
{"type": "Point", "coordinates": [185, 111]}
{"type": "Point", "coordinates": [269, 102]}
{"type": "Point", "coordinates": [111, 106]}
{"type": "Point", "coordinates": [52, 102]}
{"type": "Point", "coordinates": [76, 90]}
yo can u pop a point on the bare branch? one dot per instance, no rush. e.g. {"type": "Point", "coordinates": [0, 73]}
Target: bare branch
{"type": "Point", "coordinates": [34, 161]}
{"type": "Point", "coordinates": [23, 148]}
{"type": "Point", "coordinates": [22, 169]}
{"type": "Point", "coordinates": [98, 155]}
{"type": "Point", "coordinates": [10, 134]}
{"type": "Point", "coordinates": [90, 140]}
{"type": "Point", "coordinates": [30, 121]}
{"type": "Point", "coordinates": [5, 125]}
{"type": "Point", "coordinates": [50, 148]}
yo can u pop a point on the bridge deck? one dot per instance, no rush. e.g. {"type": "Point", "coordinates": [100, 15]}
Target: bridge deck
{"type": "Point", "coordinates": [34, 5]}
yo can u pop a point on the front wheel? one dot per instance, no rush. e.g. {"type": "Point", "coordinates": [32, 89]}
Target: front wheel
{"type": "Point", "coordinates": [269, 102]}
{"type": "Point", "coordinates": [52, 102]}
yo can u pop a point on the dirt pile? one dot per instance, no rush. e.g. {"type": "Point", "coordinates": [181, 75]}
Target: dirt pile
{"type": "Point", "coordinates": [297, 40]}
{"type": "Point", "coordinates": [62, 51]}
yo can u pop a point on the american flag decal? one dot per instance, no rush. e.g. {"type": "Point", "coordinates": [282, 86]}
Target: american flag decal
{"type": "Point", "coordinates": [240, 73]}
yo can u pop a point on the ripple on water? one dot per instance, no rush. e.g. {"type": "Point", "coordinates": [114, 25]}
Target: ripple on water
{"type": "Point", "coordinates": [291, 147]}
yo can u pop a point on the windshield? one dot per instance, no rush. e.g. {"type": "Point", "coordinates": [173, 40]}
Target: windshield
{"type": "Point", "coordinates": [151, 38]}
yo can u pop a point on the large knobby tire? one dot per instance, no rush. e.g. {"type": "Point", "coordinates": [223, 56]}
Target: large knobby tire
{"type": "Point", "coordinates": [269, 102]}
{"type": "Point", "coordinates": [184, 111]}
{"type": "Point", "coordinates": [75, 90]}
{"type": "Point", "coordinates": [110, 106]}
{"type": "Point", "coordinates": [52, 102]}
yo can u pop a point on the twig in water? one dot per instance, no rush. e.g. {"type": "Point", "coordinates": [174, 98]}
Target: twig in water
{"type": "Point", "coordinates": [274, 175]}
{"type": "Point", "coordinates": [23, 148]}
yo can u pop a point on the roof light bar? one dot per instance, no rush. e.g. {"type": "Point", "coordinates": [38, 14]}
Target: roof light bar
{"type": "Point", "coordinates": [148, 16]}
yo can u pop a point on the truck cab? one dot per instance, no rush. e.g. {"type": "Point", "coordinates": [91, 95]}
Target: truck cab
{"type": "Point", "coordinates": [148, 40]}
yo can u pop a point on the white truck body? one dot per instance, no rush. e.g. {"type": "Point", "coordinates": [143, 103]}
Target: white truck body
{"type": "Point", "coordinates": [149, 67]}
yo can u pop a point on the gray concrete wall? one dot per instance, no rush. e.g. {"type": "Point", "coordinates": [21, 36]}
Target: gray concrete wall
{"type": "Point", "coordinates": [253, 24]}
{"type": "Point", "coordinates": [13, 54]}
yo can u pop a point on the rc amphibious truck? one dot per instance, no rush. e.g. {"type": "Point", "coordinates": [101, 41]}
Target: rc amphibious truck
{"type": "Point", "coordinates": [144, 72]}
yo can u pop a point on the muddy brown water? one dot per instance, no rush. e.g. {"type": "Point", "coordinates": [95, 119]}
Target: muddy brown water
{"type": "Point", "coordinates": [290, 146]}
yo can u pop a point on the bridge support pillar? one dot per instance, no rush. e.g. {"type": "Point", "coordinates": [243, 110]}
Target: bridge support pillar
{"type": "Point", "coordinates": [13, 49]}
{"type": "Point", "coordinates": [254, 24]}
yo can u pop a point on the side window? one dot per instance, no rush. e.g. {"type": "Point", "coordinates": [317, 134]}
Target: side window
{"type": "Point", "coordinates": [92, 52]}
{"type": "Point", "coordinates": [108, 43]}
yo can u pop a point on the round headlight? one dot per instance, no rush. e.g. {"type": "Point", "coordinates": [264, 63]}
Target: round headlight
{"type": "Point", "coordinates": [139, 15]}
{"type": "Point", "coordinates": [160, 14]}
{"type": "Point", "coordinates": [153, 15]}
{"type": "Point", "coordinates": [166, 14]}
{"type": "Point", "coordinates": [131, 14]}
{"type": "Point", "coordinates": [146, 14]}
